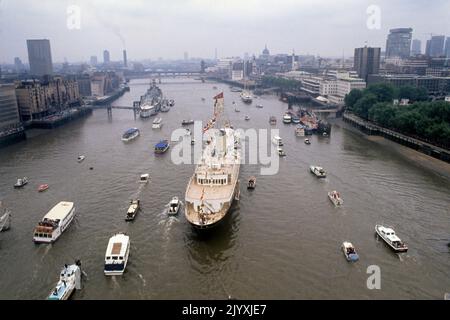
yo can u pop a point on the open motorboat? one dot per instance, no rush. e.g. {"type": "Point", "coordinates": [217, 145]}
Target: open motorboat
{"type": "Point", "coordinates": [307, 141]}
{"type": "Point", "coordinates": [81, 158]}
{"type": "Point", "coordinates": [162, 146]}
{"type": "Point", "coordinates": [349, 251]}
{"type": "Point", "coordinates": [43, 187]}
{"type": "Point", "coordinates": [251, 183]}
{"type": "Point", "coordinates": [69, 280]}
{"type": "Point", "coordinates": [157, 123]}
{"type": "Point", "coordinates": [187, 122]}
{"type": "Point", "coordinates": [318, 171]}
{"type": "Point", "coordinates": [287, 118]}
{"type": "Point", "coordinates": [130, 134]}
{"type": "Point", "coordinates": [335, 197]}
{"type": "Point", "coordinates": [174, 206]}
{"type": "Point", "coordinates": [21, 182]}
{"type": "Point", "coordinates": [389, 236]}
{"type": "Point", "coordinates": [281, 152]}
{"type": "Point", "coordinates": [5, 219]}
{"type": "Point", "coordinates": [116, 256]}
{"type": "Point", "coordinates": [144, 178]}
{"type": "Point", "coordinates": [135, 206]}
{"type": "Point", "coordinates": [54, 223]}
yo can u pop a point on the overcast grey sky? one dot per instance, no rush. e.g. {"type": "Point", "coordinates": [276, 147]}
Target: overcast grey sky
{"type": "Point", "coordinates": [152, 29]}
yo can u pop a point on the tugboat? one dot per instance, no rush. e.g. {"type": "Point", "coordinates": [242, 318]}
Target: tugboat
{"type": "Point", "coordinates": [135, 206]}
{"type": "Point", "coordinates": [335, 197]}
{"type": "Point", "coordinates": [162, 146]}
{"type": "Point", "coordinates": [174, 206]}
{"type": "Point", "coordinates": [319, 172]}
{"type": "Point", "coordinates": [251, 185]}
{"type": "Point", "coordinates": [69, 280]}
{"type": "Point", "coordinates": [389, 236]}
{"type": "Point", "coordinates": [21, 182]}
{"type": "Point", "coordinates": [349, 251]}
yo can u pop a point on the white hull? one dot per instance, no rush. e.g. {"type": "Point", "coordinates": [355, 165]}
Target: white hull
{"type": "Point", "coordinates": [388, 242]}
{"type": "Point", "coordinates": [58, 231]}
{"type": "Point", "coordinates": [134, 136]}
{"type": "Point", "coordinates": [119, 272]}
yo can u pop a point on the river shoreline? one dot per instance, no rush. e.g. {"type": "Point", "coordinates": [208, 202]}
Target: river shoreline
{"type": "Point", "coordinates": [439, 167]}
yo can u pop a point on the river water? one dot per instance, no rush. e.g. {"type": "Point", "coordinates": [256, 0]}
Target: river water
{"type": "Point", "coordinates": [281, 241]}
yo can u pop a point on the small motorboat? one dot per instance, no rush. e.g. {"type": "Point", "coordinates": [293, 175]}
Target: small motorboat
{"type": "Point", "coordinates": [135, 206]}
{"type": "Point", "coordinates": [251, 183]}
{"type": "Point", "coordinates": [162, 146]}
{"type": "Point", "coordinates": [237, 110]}
{"type": "Point", "coordinates": [335, 197]}
{"type": "Point", "coordinates": [187, 122]}
{"type": "Point", "coordinates": [389, 236]}
{"type": "Point", "coordinates": [5, 219]}
{"type": "Point", "coordinates": [259, 106]}
{"type": "Point", "coordinates": [287, 118]}
{"type": "Point", "coordinates": [318, 171]}
{"type": "Point", "coordinates": [247, 118]}
{"type": "Point", "coordinates": [130, 134]}
{"type": "Point", "coordinates": [174, 206]}
{"type": "Point", "coordinates": [307, 142]}
{"type": "Point", "coordinates": [21, 182]}
{"type": "Point", "coordinates": [43, 187]}
{"type": "Point", "coordinates": [349, 251]}
{"type": "Point", "coordinates": [276, 140]}
{"type": "Point", "coordinates": [281, 152]}
{"type": "Point", "coordinates": [171, 103]}
{"type": "Point", "coordinates": [192, 142]}
{"type": "Point", "coordinates": [81, 158]}
{"type": "Point", "coordinates": [69, 281]}
{"type": "Point", "coordinates": [295, 119]}
{"type": "Point", "coordinates": [273, 120]}
{"type": "Point", "coordinates": [145, 178]}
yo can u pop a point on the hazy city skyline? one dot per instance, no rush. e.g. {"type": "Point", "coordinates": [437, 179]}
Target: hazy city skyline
{"type": "Point", "coordinates": [168, 29]}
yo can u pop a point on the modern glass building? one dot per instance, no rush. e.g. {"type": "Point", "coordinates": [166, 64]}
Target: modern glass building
{"type": "Point", "coordinates": [398, 43]}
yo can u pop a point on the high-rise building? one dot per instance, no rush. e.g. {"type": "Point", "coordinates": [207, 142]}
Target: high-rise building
{"type": "Point", "coordinates": [367, 61]}
{"type": "Point", "coordinates": [447, 48]}
{"type": "Point", "coordinates": [106, 57]}
{"type": "Point", "coordinates": [436, 46]}
{"type": "Point", "coordinates": [125, 60]}
{"type": "Point", "coordinates": [416, 47]}
{"type": "Point", "coordinates": [18, 65]}
{"type": "Point", "coordinates": [94, 61]}
{"type": "Point", "coordinates": [9, 111]}
{"type": "Point", "coordinates": [398, 43]}
{"type": "Point", "coordinates": [40, 57]}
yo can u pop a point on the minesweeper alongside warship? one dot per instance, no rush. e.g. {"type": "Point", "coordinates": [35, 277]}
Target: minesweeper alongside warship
{"type": "Point", "coordinates": [214, 185]}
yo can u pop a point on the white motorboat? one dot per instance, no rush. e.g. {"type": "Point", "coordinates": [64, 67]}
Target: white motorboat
{"type": "Point", "coordinates": [174, 206]}
{"type": "Point", "coordinates": [259, 106]}
{"type": "Point", "coordinates": [247, 118]}
{"type": "Point", "coordinates": [54, 223]}
{"type": "Point", "coordinates": [21, 182]}
{"type": "Point", "coordinates": [144, 178]}
{"type": "Point", "coordinates": [69, 280]}
{"type": "Point", "coordinates": [5, 219]}
{"type": "Point", "coordinates": [117, 253]}
{"type": "Point", "coordinates": [349, 251]}
{"type": "Point", "coordinates": [335, 197]}
{"type": "Point", "coordinates": [157, 123]}
{"type": "Point", "coordinates": [130, 134]}
{"type": "Point", "coordinates": [318, 171]}
{"type": "Point", "coordinates": [287, 118]}
{"type": "Point", "coordinates": [389, 236]}
{"type": "Point", "coordinates": [135, 206]}
{"type": "Point", "coordinates": [281, 152]}
{"type": "Point", "coordinates": [81, 158]}
{"type": "Point", "coordinates": [276, 140]}
{"type": "Point", "coordinates": [307, 141]}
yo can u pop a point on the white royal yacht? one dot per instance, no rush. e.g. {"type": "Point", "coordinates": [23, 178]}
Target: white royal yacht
{"type": "Point", "coordinates": [117, 253]}
{"type": "Point", "coordinates": [69, 280]}
{"type": "Point", "coordinates": [389, 236]}
{"type": "Point", "coordinates": [54, 223]}
{"type": "Point", "coordinates": [214, 185]}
